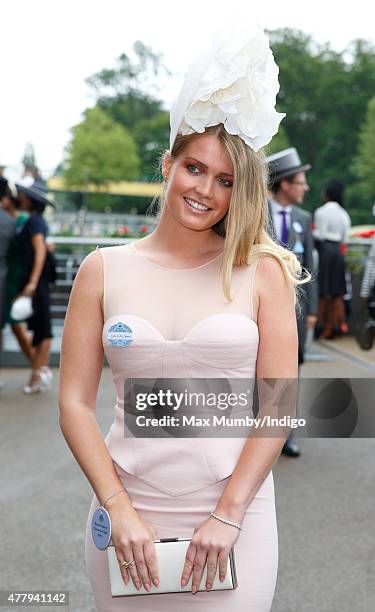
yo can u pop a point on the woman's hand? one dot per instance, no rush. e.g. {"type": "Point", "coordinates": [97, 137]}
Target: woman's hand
{"type": "Point", "coordinates": [29, 289]}
{"type": "Point", "coordinates": [211, 544]}
{"type": "Point", "coordinates": [133, 538]}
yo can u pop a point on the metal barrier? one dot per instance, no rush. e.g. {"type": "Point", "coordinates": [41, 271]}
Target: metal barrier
{"type": "Point", "coordinates": [70, 253]}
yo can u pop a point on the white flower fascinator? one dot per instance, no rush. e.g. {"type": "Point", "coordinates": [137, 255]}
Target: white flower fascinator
{"type": "Point", "coordinates": [235, 83]}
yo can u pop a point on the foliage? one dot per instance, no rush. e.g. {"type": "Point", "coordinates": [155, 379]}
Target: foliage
{"type": "Point", "coordinates": [100, 151]}
{"type": "Point", "coordinates": [279, 142]}
{"type": "Point", "coordinates": [364, 163]}
{"type": "Point", "coordinates": [128, 93]}
{"type": "Point", "coordinates": [29, 158]}
{"type": "Point", "coordinates": [324, 94]}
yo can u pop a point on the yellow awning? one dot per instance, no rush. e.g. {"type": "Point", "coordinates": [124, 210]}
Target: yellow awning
{"type": "Point", "coordinates": [56, 183]}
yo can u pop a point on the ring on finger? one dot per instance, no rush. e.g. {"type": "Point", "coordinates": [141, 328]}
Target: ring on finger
{"type": "Point", "coordinates": [126, 564]}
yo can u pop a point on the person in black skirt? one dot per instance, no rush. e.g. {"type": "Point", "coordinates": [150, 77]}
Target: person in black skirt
{"type": "Point", "coordinates": [35, 282]}
{"type": "Point", "coordinates": [331, 226]}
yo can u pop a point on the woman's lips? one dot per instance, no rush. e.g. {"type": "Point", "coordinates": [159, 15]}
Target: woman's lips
{"type": "Point", "coordinates": [193, 206]}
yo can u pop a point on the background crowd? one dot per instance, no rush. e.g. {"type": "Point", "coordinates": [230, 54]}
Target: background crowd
{"type": "Point", "coordinates": [27, 266]}
{"type": "Point", "coordinates": [26, 270]}
{"type": "Point", "coordinates": [120, 137]}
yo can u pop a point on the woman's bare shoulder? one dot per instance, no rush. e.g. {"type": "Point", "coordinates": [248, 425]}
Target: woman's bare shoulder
{"type": "Point", "coordinates": [270, 279]}
{"type": "Point", "coordinates": [268, 266]}
{"type": "Point", "coordinates": [90, 273]}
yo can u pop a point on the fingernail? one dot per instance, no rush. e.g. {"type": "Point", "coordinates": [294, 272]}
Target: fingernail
{"type": "Point", "coordinates": [183, 582]}
{"type": "Point", "coordinates": [147, 586]}
{"type": "Point", "coordinates": [156, 582]}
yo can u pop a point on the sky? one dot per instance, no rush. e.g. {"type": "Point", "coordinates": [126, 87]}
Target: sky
{"type": "Point", "coordinates": [49, 47]}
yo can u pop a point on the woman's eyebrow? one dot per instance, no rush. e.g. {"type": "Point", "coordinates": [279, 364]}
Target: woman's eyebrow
{"type": "Point", "coordinates": [206, 167]}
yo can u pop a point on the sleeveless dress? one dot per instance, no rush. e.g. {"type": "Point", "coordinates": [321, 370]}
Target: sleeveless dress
{"type": "Point", "coordinates": [182, 326]}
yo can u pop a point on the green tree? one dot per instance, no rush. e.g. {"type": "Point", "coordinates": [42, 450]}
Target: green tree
{"type": "Point", "coordinates": [129, 94]}
{"type": "Point", "coordinates": [100, 151]}
{"type": "Point", "coordinates": [279, 142]}
{"type": "Point", "coordinates": [364, 163]}
{"type": "Point", "coordinates": [29, 159]}
{"type": "Point", "coordinates": [324, 95]}
{"type": "Point", "coordinates": [152, 137]}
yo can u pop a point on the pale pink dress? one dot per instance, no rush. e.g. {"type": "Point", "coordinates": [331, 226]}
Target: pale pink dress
{"type": "Point", "coordinates": [183, 327]}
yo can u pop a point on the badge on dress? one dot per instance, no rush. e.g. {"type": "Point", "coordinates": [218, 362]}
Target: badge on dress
{"type": "Point", "coordinates": [120, 335]}
{"type": "Point", "coordinates": [101, 528]}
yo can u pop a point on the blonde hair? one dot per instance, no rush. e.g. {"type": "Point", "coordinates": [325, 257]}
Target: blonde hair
{"type": "Point", "coordinates": [244, 226]}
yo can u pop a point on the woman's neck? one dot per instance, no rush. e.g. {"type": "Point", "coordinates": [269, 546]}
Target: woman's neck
{"type": "Point", "coordinates": [172, 236]}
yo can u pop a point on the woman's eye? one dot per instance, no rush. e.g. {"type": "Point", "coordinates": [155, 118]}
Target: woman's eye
{"type": "Point", "coordinates": [192, 168]}
{"type": "Point", "coordinates": [226, 183]}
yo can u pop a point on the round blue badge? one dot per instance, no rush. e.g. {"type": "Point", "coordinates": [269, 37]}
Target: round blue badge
{"type": "Point", "coordinates": [101, 528]}
{"type": "Point", "coordinates": [298, 247]}
{"type": "Point", "coordinates": [120, 335]}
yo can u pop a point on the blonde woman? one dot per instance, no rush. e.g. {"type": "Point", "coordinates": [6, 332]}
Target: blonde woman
{"type": "Point", "coordinates": [207, 294]}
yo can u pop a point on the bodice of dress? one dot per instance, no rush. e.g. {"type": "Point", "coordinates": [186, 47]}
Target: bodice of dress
{"type": "Point", "coordinates": [167, 323]}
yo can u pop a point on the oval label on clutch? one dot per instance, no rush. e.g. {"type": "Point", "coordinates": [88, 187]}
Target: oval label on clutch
{"type": "Point", "coordinates": [101, 528]}
{"type": "Point", "coordinates": [120, 335]}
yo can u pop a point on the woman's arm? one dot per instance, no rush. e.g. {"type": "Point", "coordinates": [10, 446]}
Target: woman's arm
{"type": "Point", "coordinates": [80, 370]}
{"type": "Point", "coordinates": [277, 358]}
{"type": "Point", "coordinates": [319, 223]}
{"type": "Point", "coordinates": [40, 253]}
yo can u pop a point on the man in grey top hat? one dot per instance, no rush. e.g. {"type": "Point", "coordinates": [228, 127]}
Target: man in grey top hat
{"type": "Point", "coordinates": [291, 227]}
{"type": "Point", "coordinates": [7, 231]}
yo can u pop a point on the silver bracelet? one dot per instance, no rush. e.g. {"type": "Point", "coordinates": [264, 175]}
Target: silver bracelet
{"type": "Point", "coordinates": [226, 521]}
{"type": "Point", "coordinates": [113, 495]}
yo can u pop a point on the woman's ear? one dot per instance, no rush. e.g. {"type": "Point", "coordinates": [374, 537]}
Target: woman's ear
{"type": "Point", "coordinates": [166, 165]}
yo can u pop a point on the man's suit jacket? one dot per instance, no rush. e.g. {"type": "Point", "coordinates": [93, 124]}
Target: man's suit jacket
{"type": "Point", "coordinates": [309, 292]}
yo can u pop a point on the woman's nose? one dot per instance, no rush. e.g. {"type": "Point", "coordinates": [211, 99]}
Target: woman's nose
{"type": "Point", "coordinates": [205, 186]}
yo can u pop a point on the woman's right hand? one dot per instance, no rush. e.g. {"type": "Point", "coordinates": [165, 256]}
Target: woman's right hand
{"type": "Point", "coordinates": [133, 538]}
{"type": "Point", "coordinates": [29, 289]}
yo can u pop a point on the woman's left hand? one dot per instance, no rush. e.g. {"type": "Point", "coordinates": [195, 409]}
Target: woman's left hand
{"type": "Point", "coordinates": [29, 289]}
{"type": "Point", "coordinates": [211, 544]}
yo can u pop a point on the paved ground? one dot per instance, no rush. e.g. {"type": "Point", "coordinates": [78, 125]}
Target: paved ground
{"type": "Point", "coordinates": [325, 502]}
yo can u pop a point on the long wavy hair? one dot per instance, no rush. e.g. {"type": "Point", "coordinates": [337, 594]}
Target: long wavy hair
{"type": "Point", "coordinates": [244, 227]}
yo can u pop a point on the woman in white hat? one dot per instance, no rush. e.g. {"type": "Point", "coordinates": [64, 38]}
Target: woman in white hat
{"type": "Point", "coordinates": [207, 295]}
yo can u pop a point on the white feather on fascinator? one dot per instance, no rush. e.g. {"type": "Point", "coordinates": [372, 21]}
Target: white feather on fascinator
{"type": "Point", "coordinates": [234, 82]}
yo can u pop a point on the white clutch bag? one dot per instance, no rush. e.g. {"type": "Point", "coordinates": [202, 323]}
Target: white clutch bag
{"type": "Point", "coordinates": [171, 555]}
{"type": "Point", "coordinates": [22, 308]}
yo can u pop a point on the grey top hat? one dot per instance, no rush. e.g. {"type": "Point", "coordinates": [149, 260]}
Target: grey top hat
{"type": "Point", "coordinates": [284, 164]}
{"type": "Point", "coordinates": [36, 191]}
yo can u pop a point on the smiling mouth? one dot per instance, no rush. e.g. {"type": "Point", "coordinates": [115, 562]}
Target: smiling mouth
{"type": "Point", "coordinates": [196, 206]}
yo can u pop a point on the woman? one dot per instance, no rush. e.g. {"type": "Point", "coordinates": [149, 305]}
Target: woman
{"type": "Point", "coordinates": [331, 227]}
{"type": "Point", "coordinates": [197, 301]}
{"type": "Point", "coordinates": [10, 203]}
{"type": "Point", "coordinates": [35, 283]}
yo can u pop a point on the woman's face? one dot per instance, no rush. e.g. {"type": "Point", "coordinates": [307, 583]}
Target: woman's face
{"type": "Point", "coordinates": [7, 204]}
{"type": "Point", "coordinates": [200, 183]}
{"type": "Point", "coordinates": [25, 202]}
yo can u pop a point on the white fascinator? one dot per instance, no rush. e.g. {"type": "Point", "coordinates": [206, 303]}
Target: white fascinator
{"type": "Point", "coordinates": [233, 82]}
